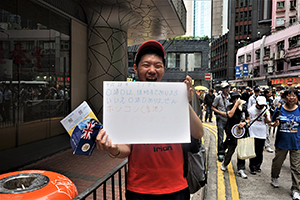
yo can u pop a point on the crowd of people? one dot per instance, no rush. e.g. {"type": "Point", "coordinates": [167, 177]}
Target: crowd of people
{"type": "Point", "coordinates": [269, 112]}
{"type": "Point", "coordinates": [10, 95]}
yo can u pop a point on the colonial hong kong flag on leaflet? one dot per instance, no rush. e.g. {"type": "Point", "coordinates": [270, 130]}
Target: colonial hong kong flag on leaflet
{"type": "Point", "coordinates": [83, 139]}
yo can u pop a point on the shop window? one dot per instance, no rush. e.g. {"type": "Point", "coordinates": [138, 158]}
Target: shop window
{"type": "Point", "coordinates": [37, 70]}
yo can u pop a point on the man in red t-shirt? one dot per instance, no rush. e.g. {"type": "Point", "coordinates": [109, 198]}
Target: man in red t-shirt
{"type": "Point", "coordinates": [155, 171]}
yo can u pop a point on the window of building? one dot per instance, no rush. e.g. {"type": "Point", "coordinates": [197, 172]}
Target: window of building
{"type": "Point", "coordinates": [236, 17]}
{"type": "Point", "coordinates": [236, 30]}
{"type": "Point", "coordinates": [265, 69]}
{"type": "Point", "coordinates": [241, 59]}
{"type": "Point", "coordinates": [267, 51]}
{"type": "Point", "coordinates": [280, 45]}
{"type": "Point", "coordinates": [245, 29]}
{"type": "Point", "coordinates": [131, 56]}
{"type": "Point", "coordinates": [280, 5]}
{"type": "Point", "coordinates": [171, 60]}
{"type": "Point", "coordinates": [257, 54]}
{"type": "Point", "coordinates": [245, 15]}
{"type": "Point", "coordinates": [279, 21]}
{"type": "Point", "coordinates": [293, 4]}
{"type": "Point", "coordinates": [249, 28]}
{"type": "Point", "coordinates": [241, 3]}
{"type": "Point", "coordinates": [248, 55]}
{"type": "Point", "coordinates": [242, 16]}
{"type": "Point", "coordinates": [294, 41]}
{"type": "Point", "coordinates": [36, 69]}
{"type": "Point", "coordinates": [250, 2]}
{"type": "Point", "coordinates": [280, 65]}
{"type": "Point", "coordinates": [249, 14]}
{"type": "Point", "coordinates": [295, 62]}
{"type": "Point", "coordinates": [293, 20]}
{"type": "Point", "coordinates": [197, 61]}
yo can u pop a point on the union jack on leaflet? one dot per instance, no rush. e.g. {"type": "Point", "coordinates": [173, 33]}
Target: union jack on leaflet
{"type": "Point", "coordinates": [87, 131]}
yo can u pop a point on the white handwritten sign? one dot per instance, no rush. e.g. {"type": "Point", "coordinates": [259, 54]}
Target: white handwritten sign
{"type": "Point", "coordinates": [146, 112]}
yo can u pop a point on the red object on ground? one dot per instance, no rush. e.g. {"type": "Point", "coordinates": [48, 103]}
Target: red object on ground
{"type": "Point", "coordinates": [36, 184]}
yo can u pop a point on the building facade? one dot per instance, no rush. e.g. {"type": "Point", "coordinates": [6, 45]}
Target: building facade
{"type": "Point", "coordinates": [56, 54]}
{"type": "Point", "coordinates": [275, 59]}
{"type": "Point", "coordinates": [247, 21]}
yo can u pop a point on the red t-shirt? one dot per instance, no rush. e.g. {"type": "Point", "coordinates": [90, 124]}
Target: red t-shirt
{"type": "Point", "coordinates": [156, 169]}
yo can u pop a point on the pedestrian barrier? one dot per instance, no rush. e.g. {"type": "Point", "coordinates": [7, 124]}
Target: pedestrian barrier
{"type": "Point", "coordinates": [36, 184]}
{"type": "Point", "coordinates": [104, 181]}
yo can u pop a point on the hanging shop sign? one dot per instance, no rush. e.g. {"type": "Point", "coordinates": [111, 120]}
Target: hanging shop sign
{"type": "Point", "coordinates": [286, 81]}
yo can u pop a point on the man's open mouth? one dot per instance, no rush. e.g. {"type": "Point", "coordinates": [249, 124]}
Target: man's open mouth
{"type": "Point", "coordinates": [151, 79]}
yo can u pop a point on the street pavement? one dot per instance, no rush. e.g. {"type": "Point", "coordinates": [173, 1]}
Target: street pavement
{"type": "Point", "coordinates": [228, 185]}
{"type": "Point", "coordinates": [85, 170]}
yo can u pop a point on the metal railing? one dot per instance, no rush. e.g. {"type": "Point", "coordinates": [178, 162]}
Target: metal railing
{"type": "Point", "coordinates": [114, 193]}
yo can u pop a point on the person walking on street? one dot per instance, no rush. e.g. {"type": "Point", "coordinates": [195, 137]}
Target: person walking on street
{"type": "Point", "coordinates": [208, 100]}
{"type": "Point", "coordinates": [270, 106]}
{"type": "Point", "coordinates": [252, 98]}
{"type": "Point", "coordinates": [153, 174]}
{"type": "Point", "coordinates": [240, 117]}
{"type": "Point", "coordinates": [287, 118]}
{"type": "Point", "coordinates": [201, 102]}
{"type": "Point", "coordinates": [260, 116]}
{"type": "Point", "coordinates": [219, 107]}
{"type": "Point", "coordinates": [246, 95]}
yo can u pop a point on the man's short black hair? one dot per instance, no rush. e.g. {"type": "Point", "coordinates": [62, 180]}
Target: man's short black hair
{"type": "Point", "coordinates": [149, 50]}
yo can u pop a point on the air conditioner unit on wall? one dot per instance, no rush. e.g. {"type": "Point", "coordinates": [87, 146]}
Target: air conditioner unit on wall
{"type": "Point", "coordinates": [282, 55]}
{"type": "Point", "coordinates": [271, 55]}
{"type": "Point", "coordinates": [270, 63]}
{"type": "Point", "coordinates": [270, 70]}
{"type": "Point", "coordinates": [276, 55]}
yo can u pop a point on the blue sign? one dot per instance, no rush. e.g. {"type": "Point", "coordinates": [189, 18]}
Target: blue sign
{"type": "Point", "coordinates": [245, 70]}
{"type": "Point", "coordinates": [237, 71]}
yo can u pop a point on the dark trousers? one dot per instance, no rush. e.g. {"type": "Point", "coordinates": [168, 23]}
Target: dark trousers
{"type": "Point", "coordinates": [208, 114]}
{"type": "Point", "coordinates": [2, 112]}
{"type": "Point", "coordinates": [221, 124]}
{"type": "Point", "coordinates": [256, 162]}
{"type": "Point", "coordinates": [230, 151]}
{"type": "Point", "coordinates": [180, 195]}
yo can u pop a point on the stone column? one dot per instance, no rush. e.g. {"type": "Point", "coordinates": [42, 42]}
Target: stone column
{"type": "Point", "coordinates": [107, 48]}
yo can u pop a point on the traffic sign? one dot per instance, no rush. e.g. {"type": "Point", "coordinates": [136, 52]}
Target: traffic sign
{"type": "Point", "coordinates": [207, 76]}
{"type": "Point", "coordinates": [289, 82]}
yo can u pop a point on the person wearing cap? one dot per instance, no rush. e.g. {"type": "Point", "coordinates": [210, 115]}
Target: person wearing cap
{"type": "Point", "coordinates": [240, 117]}
{"type": "Point", "coordinates": [246, 95]}
{"type": "Point", "coordinates": [252, 98]}
{"type": "Point", "coordinates": [154, 174]}
{"type": "Point", "coordinates": [287, 119]}
{"type": "Point", "coordinates": [260, 116]}
{"type": "Point", "coordinates": [219, 107]}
